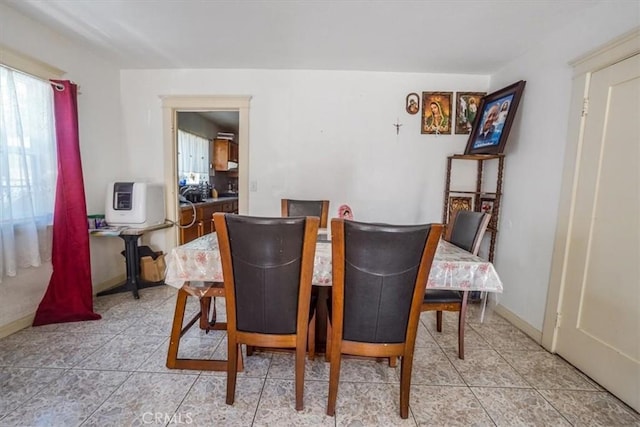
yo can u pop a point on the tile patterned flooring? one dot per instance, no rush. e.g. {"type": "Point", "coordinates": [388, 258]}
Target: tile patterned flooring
{"type": "Point", "coordinates": [112, 372]}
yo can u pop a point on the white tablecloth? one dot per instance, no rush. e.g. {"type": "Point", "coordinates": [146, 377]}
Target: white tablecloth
{"type": "Point", "coordinates": [452, 268]}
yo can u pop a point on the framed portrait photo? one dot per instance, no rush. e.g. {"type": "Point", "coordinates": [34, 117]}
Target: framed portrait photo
{"type": "Point", "coordinates": [467, 104]}
{"type": "Point", "coordinates": [412, 103]}
{"type": "Point", "coordinates": [493, 122]}
{"type": "Point", "coordinates": [436, 113]}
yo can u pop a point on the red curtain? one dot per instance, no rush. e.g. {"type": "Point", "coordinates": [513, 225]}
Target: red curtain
{"type": "Point", "coordinates": [69, 297]}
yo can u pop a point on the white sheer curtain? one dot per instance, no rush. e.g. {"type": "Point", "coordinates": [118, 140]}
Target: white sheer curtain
{"type": "Point", "coordinates": [27, 171]}
{"type": "Point", "coordinates": [193, 156]}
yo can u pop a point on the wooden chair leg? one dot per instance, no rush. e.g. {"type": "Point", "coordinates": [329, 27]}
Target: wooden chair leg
{"type": "Point", "coordinates": [393, 361]}
{"type": "Point", "coordinates": [439, 320]}
{"type": "Point", "coordinates": [406, 366]}
{"type": "Point", "coordinates": [311, 337]}
{"type": "Point", "coordinates": [176, 329]}
{"type": "Point", "coordinates": [300, 360]}
{"type": "Point", "coordinates": [232, 370]}
{"type": "Point", "coordinates": [461, 322]}
{"type": "Point", "coordinates": [250, 350]}
{"type": "Point", "coordinates": [327, 351]}
{"type": "Point", "coordinates": [334, 378]}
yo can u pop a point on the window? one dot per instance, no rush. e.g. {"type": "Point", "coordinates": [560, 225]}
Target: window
{"type": "Point", "coordinates": [27, 170]}
{"type": "Point", "coordinates": [193, 158]}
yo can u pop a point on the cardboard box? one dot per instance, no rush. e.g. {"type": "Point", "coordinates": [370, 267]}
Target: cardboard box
{"type": "Point", "coordinates": [152, 270]}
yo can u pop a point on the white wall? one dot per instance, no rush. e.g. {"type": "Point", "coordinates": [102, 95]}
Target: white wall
{"type": "Point", "coordinates": [316, 134]}
{"type": "Point", "coordinates": [100, 144]}
{"type": "Point", "coordinates": [535, 153]}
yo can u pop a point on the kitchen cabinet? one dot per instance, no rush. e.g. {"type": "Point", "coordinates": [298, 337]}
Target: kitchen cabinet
{"type": "Point", "coordinates": [224, 151]}
{"type": "Point", "coordinates": [204, 218]}
{"type": "Point", "coordinates": [485, 196]}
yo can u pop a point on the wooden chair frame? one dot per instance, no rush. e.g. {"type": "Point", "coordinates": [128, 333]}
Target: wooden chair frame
{"type": "Point", "coordinates": [236, 338]}
{"type": "Point", "coordinates": [386, 350]}
{"type": "Point", "coordinates": [207, 321]}
{"type": "Point", "coordinates": [461, 305]}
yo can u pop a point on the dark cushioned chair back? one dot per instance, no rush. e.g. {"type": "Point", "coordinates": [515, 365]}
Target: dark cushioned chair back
{"type": "Point", "coordinates": [305, 208]}
{"type": "Point", "coordinates": [266, 254]}
{"type": "Point", "coordinates": [381, 266]}
{"type": "Point", "coordinates": [465, 229]}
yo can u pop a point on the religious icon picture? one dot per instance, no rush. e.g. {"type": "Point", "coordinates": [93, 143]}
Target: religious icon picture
{"type": "Point", "coordinates": [466, 110]}
{"type": "Point", "coordinates": [486, 206]}
{"type": "Point", "coordinates": [459, 204]}
{"type": "Point", "coordinates": [436, 113]}
{"type": "Point", "coordinates": [413, 103]}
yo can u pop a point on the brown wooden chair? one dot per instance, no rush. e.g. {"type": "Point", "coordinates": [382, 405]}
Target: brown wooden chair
{"type": "Point", "coordinates": [379, 277]}
{"type": "Point", "coordinates": [267, 265]}
{"type": "Point", "coordinates": [465, 230]}
{"type": "Point", "coordinates": [319, 208]}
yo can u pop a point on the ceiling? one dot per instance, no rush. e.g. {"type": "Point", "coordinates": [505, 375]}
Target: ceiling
{"type": "Point", "coordinates": [441, 36]}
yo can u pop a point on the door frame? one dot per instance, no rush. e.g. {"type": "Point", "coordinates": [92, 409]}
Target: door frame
{"type": "Point", "coordinates": [617, 50]}
{"type": "Point", "coordinates": [171, 105]}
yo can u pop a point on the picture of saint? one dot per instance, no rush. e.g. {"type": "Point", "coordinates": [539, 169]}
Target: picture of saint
{"type": "Point", "coordinates": [466, 110]}
{"type": "Point", "coordinates": [413, 103]}
{"type": "Point", "coordinates": [436, 112]}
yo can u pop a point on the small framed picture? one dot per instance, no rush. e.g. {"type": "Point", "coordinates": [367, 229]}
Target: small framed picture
{"type": "Point", "coordinates": [413, 103]}
{"type": "Point", "coordinates": [486, 206]}
{"type": "Point", "coordinates": [436, 112]}
{"type": "Point", "coordinates": [459, 204]}
{"type": "Point", "coordinates": [466, 110]}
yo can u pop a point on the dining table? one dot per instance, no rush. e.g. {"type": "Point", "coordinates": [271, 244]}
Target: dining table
{"type": "Point", "coordinates": [452, 268]}
{"type": "Point", "coordinates": [195, 269]}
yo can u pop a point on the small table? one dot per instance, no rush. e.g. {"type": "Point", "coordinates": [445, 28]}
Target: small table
{"type": "Point", "coordinates": [132, 257]}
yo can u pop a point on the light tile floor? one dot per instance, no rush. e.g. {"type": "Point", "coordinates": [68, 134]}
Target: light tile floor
{"type": "Point", "coordinates": [112, 372]}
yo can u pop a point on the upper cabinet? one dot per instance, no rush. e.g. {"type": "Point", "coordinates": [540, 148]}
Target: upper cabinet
{"type": "Point", "coordinates": [225, 155]}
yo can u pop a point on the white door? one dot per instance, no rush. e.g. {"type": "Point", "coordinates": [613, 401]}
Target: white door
{"type": "Point", "coordinates": [599, 331]}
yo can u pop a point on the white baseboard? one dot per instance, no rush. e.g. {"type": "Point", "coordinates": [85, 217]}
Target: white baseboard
{"type": "Point", "coordinates": [17, 325]}
{"type": "Point", "coordinates": [27, 321]}
{"type": "Point", "coordinates": [111, 283]}
{"type": "Point", "coordinates": [532, 332]}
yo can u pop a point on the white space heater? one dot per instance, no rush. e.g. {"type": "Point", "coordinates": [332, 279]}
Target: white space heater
{"type": "Point", "coordinates": [134, 204]}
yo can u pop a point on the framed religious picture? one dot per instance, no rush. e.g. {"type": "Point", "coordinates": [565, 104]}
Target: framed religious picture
{"type": "Point", "coordinates": [413, 103]}
{"type": "Point", "coordinates": [491, 127]}
{"type": "Point", "coordinates": [459, 204]}
{"type": "Point", "coordinates": [486, 206]}
{"type": "Point", "coordinates": [436, 113]}
{"type": "Point", "coordinates": [466, 110]}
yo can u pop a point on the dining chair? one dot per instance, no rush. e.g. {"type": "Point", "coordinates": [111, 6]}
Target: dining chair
{"type": "Point", "coordinates": [379, 277]}
{"type": "Point", "coordinates": [465, 230]}
{"type": "Point", "coordinates": [267, 266]}
{"type": "Point", "coordinates": [319, 208]}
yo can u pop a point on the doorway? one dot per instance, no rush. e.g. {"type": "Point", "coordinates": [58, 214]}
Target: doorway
{"type": "Point", "coordinates": [171, 106]}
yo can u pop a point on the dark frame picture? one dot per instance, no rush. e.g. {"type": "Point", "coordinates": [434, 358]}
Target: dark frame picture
{"type": "Point", "coordinates": [436, 113]}
{"type": "Point", "coordinates": [491, 127]}
{"type": "Point", "coordinates": [467, 104]}
{"type": "Point", "coordinates": [413, 103]}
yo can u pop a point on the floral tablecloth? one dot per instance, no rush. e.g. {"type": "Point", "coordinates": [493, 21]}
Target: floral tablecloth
{"type": "Point", "coordinates": [452, 268]}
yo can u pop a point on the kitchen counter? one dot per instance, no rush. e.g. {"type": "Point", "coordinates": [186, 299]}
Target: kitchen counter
{"type": "Point", "coordinates": [209, 201]}
{"type": "Point", "coordinates": [196, 219]}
